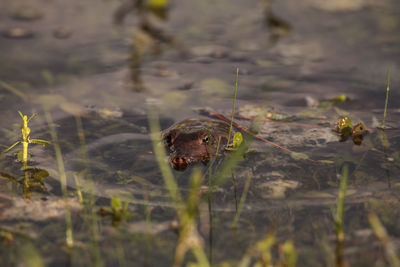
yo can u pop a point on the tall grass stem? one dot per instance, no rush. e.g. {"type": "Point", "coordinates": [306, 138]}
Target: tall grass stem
{"type": "Point", "coordinates": [339, 218]}
{"type": "Point", "coordinates": [386, 99]}
{"type": "Point", "coordinates": [161, 155]}
{"type": "Point", "coordinates": [63, 178]}
{"type": "Point", "coordinates": [242, 201]}
{"type": "Point", "coordinates": [382, 235]}
{"type": "Point", "coordinates": [233, 107]}
{"type": "Point", "coordinates": [13, 90]}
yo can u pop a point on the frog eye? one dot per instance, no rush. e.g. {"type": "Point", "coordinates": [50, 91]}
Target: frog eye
{"type": "Point", "coordinates": [168, 139]}
{"type": "Point", "coordinates": [206, 139]}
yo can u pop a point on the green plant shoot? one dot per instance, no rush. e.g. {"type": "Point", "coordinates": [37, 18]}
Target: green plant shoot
{"type": "Point", "coordinates": [158, 3]}
{"type": "Point", "coordinates": [26, 140]}
{"type": "Point", "coordinates": [233, 107]}
{"type": "Point", "coordinates": [386, 99]}
{"type": "Point", "coordinates": [236, 142]}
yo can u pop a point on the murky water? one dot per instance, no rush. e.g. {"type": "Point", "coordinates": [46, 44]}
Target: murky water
{"type": "Point", "coordinates": [98, 67]}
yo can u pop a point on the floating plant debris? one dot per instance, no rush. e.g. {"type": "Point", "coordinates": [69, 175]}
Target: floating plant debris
{"type": "Point", "coordinates": [345, 129]}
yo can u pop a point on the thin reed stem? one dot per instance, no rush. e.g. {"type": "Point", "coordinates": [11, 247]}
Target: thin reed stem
{"type": "Point", "coordinates": [339, 220]}
{"type": "Point", "coordinates": [63, 178]}
{"type": "Point", "coordinates": [233, 107]}
{"type": "Point", "coordinates": [242, 201]}
{"type": "Point", "coordinates": [384, 238]}
{"type": "Point", "coordinates": [160, 154]}
{"type": "Point", "coordinates": [386, 99]}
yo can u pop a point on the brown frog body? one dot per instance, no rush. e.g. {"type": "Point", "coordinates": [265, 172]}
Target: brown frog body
{"type": "Point", "coordinates": [194, 140]}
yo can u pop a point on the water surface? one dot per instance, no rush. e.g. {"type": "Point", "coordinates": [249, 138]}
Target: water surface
{"type": "Point", "coordinates": [292, 56]}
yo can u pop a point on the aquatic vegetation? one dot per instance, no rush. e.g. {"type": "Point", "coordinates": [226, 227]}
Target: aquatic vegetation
{"type": "Point", "coordinates": [63, 178]}
{"type": "Point", "coordinates": [236, 141]}
{"type": "Point", "coordinates": [189, 239]}
{"type": "Point", "coordinates": [26, 140]}
{"type": "Point", "coordinates": [384, 238]}
{"type": "Point", "coordinates": [242, 200]}
{"type": "Point", "coordinates": [190, 214]}
{"type": "Point", "coordinates": [343, 125]}
{"type": "Point", "coordinates": [32, 180]}
{"type": "Point", "coordinates": [117, 211]}
{"type": "Point", "coordinates": [273, 193]}
{"type": "Point", "coordinates": [340, 98]}
{"type": "Point", "coordinates": [386, 99]}
{"type": "Point", "coordinates": [339, 217]}
{"type": "Point", "coordinates": [233, 106]}
{"type": "Point", "coordinates": [345, 129]}
{"type": "Point", "coordinates": [251, 133]}
{"type": "Point", "coordinates": [237, 138]}
{"type": "Point", "coordinates": [157, 3]}
{"type": "Point", "coordinates": [261, 254]}
{"type": "Point", "coordinates": [249, 112]}
{"type": "Point", "coordinates": [32, 176]}
{"type": "Point", "coordinates": [187, 211]}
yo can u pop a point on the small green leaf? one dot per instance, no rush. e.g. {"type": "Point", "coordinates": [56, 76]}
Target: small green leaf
{"type": "Point", "coordinates": [37, 173]}
{"type": "Point", "coordinates": [237, 139]}
{"type": "Point", "coordinates": [340, 98]}
{"type": "Point", "coordinates": [20, 113]}
{"type": "Point", "coordinates": [116, 204]}
{"type": "Point", "coordinates": [325, 161]}
{"type": "Point", "coordinates": [11, 147]}
{"type": "Point", "coordinates": [343, 124]}
{"type": "Point", "coordinates": [20, 155]}
{"type": "Point", "coordinates": [9, 177]}
{"type": "Point", "coordinates": [157, 3]}
{"type": "Point", "coordinates": [298, 156]}
{"type": "Point", "coordinates": [39, 142]}
{"type": "Point", "coordinates": [34, 115]}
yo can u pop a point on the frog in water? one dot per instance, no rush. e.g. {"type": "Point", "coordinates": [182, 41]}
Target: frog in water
{"type": "Point", "coordinates": [194, 140]}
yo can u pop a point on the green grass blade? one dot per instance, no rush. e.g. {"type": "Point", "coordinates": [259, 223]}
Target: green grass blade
{"type": "Point", "coordinates": [339, 220]}
{"type": "Point", "coordinates": [242, 201]}
{"type": "Point", "coordinates": [233, 107]}
{"type": "Point", "coordinates": [161, 155]}
{"type": "Point", "coordinates": [289, 252]}
{"type": "Point", "coordinates": [230, 162]}
{"type": "Point", "coordinates": [384, 238]}
{"type": "Point", "coordinates": [340, 205]}
{"type": "Point", "coordinates": [386, 99]}
{"type": "Point", "coordinates": [11, 147]}
{"type": "Point", "coordinates": [31, 117]}
{"type": "Point", "coordinates": [39, 142]}
{"type": "Point", "coordinates": [13, 90]}
{"type": "Point", "coordinates": [20, 113]}
{"type": "Point", "coordinates": [63, 177]}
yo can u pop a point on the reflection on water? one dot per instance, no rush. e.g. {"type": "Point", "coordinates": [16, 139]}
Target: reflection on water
{"type": "Point", "coordinates": [33, 180]}
{"type": "Point", "coordinates": [277, 26]}
{"type": "Point", "coordinates": [148, 37]}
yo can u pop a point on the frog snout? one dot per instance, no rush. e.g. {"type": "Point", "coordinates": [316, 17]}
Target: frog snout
{"type": "Point", "coordinates": [179, 163]}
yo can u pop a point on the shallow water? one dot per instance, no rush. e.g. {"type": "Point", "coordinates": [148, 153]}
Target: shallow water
{"type": "Point", "coordinates": [106, 76]}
